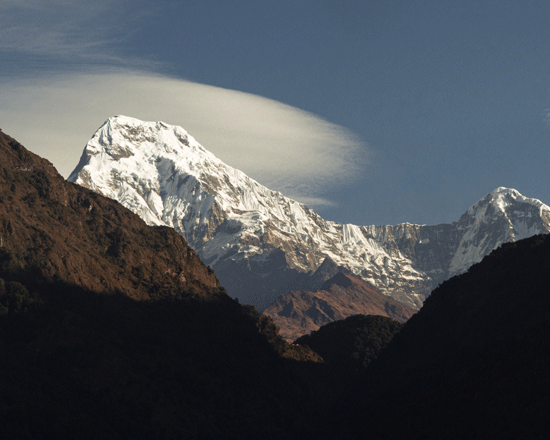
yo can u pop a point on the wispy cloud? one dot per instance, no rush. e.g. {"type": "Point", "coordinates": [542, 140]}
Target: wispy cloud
{"type": "Point", "coordinates": [54, 113]}
{"type": "Point", "coordinates": [74, 31]}
{"type": "Point", "coordinates": [282, 147]}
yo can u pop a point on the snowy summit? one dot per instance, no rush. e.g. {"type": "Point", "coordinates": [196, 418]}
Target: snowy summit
{"type": "Point", "coordinates": [262, 244]}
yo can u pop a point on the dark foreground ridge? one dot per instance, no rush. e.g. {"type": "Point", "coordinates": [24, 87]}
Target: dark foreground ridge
{"type": "Point", "coordinates": [473, 362]}
{"type": "Point", "coordinates": [113, 329]}
{"type": "Point", "coordinates": [110, 329]}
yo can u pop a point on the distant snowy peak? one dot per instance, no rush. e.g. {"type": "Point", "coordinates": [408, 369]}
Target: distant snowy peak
{"type": "Point", "coordinates": [503, 215]}
{"type": "Point", "coordinates": [135, 161]}
{"type": "Point", "coordinates": [167, 177]}
{"type": "Point", "coordinates": [501, 200]}
{"type": "Point", "coordinates": [262, 244]}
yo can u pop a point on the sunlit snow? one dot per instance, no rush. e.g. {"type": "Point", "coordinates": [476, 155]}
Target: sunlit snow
{"type": "Point", "coordinates": [164, 175]}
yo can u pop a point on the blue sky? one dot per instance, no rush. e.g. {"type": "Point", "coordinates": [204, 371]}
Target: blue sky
{"type": "Point", "coordinates": [370, 112]}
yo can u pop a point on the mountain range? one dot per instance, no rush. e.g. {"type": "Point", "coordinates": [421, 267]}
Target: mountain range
{"type": "Point", "coordinates": [113, 329]}
{"type": "Point", "coordinates": [262, 244]}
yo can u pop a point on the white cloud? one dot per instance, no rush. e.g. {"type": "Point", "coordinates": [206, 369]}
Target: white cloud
{"type": "Point", "coordinates": [282, 147]}
{"type": "Point", "coordinates": [55, 113]}
{"type": "Point", "coordinates": [71, 30]}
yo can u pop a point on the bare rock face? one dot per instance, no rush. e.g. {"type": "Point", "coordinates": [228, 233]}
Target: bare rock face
{"type": "Point", "coordinates": [301, 312]}
{"type": "Point", "coordinates": [261, 244]}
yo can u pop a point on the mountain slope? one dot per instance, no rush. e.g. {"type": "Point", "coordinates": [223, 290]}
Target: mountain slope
{"type": "Point", "coordinates": [89, 349]}
{"type": "Point", "coordinates": [113, 329]}
{"type": "Point", "coordinates": [56, 228]}
{"type": "Point", "coordinates": [301, 312]}
{"type": "Point", "coordinates": [472, 363]}
{"type": "Point", "coordinates": [262, 244]}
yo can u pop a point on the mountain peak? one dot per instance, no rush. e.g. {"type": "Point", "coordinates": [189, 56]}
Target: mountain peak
{"type": "Point", "coordinates": [240, 228]}
{"type": "Point", "coordinates": [502, 198]}
{"type": "Point", "coordinates": [505, 190]}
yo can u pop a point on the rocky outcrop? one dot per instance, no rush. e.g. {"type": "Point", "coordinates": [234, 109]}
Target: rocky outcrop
{"type": "Point", "coordinates": [301, 312]}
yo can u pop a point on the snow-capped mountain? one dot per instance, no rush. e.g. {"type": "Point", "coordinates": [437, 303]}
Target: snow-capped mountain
{"type": "Point", "coordinates": [262, 244]}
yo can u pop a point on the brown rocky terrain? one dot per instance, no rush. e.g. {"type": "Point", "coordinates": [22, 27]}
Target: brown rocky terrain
{"type": "Point", "coordinates": [57, 229]}
{"type": "Point", "coordinates": [300, 312]}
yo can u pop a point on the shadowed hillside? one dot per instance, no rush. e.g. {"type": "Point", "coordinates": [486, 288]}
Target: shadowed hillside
{"type": "Point", "coordinates": [473, 362]}
{"type": "Point", "coordinates": [112, 329]}
{"type": "Point", "coordinates": [353, 343]}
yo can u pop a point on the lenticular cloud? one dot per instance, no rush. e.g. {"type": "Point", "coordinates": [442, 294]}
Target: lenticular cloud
{"type": "Point", "coordinates": [282, 147]}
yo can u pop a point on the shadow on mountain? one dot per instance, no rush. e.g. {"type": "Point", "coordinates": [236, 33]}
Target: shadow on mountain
{"type": "Point", "coordinates": [351, 344]}
{"type": "Point", "coordinates": [473, 362]}
{"type": "Point", "coordinates": [112, 329]}
{"type": "Point", "coordinates": [77, 364]}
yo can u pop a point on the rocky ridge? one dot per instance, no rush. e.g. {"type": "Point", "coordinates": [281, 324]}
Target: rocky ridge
{"type": "Point", "coordinates": [57, 229]}
{"type": "Point", "coordinates": [262, 244]}
{"type": "Point", "coordinates": [300, 312]}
